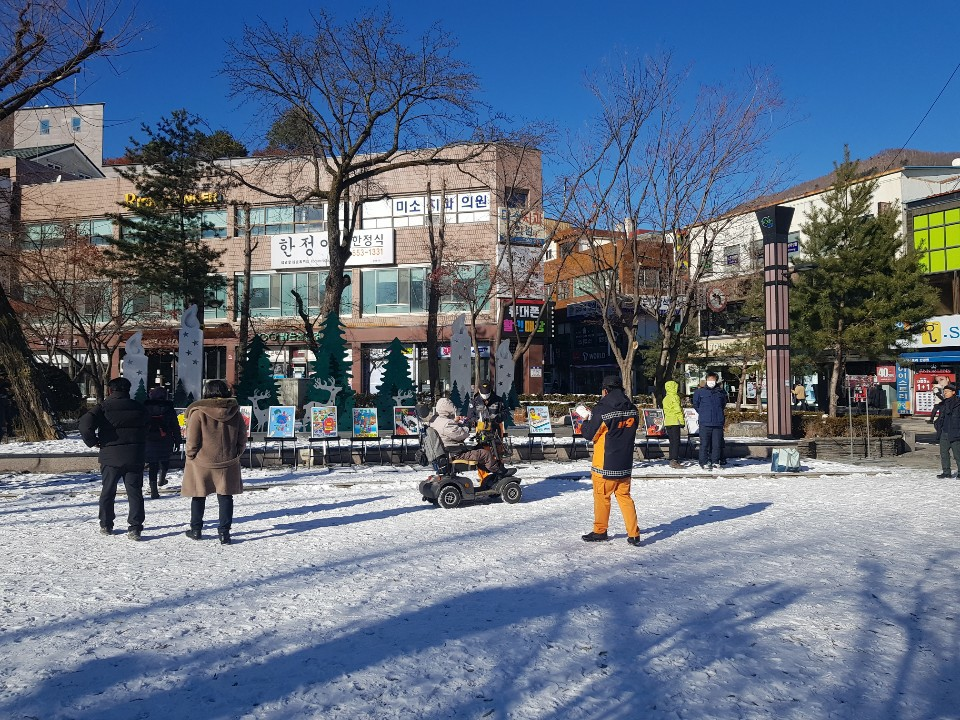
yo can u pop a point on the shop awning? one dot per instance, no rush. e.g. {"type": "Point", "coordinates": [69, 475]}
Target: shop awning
{"type": "Point", "coordinates": [936, 357]}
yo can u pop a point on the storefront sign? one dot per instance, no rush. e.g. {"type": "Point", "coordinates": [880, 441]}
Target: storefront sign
{"type": "Point", "coordinates": [941, 331]}
{"type": "Point", "coordinates": [904, 405]}
{"type": "Point", "coordinates": [310, 250]}
{"type": "Point", "coordinates": [202, 198]}
{"type": "Point", "coordinates": [886, 374]}
{"type": "Point", "coordinates": [524, 317]}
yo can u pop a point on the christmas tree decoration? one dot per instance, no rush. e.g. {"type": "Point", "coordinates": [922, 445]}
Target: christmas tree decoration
{"type": "Point", "coordinates": [330, 380]}
{"type": "Point", "coordinates": [396, 385]}
{"type": "Point", "coordinates": [257, 383]}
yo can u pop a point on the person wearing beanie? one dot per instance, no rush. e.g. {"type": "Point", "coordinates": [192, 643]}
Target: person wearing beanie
{"type": "Point", "coordinates": [612, 426]}
{"type": "Point", "coordinates": [453, 435]}
{"type": "Point", "coordinates": [486, 405]}
{"type": "Point", "coordinates": [163, 435]}
{"type": "Point", "coordinates": [948, 429]}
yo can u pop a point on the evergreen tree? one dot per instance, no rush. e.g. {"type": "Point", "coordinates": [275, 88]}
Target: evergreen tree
{"type": "Point", "coordinates": [331, 375]}
{"type": "Point", "coordinates": [141, 394]}
{"type": "Point", "coordinates": [180, 396]}
{"type": "Point", "coordinates": [396, 379]}
{"type": "Point", "coordinates": [455, 396]}
{"type": "Point", "coordinates": [161, 228]}
{"type": "Point", "coordinates": [864, 288]}
{"type": "Point", "coordinates": [257, 386]}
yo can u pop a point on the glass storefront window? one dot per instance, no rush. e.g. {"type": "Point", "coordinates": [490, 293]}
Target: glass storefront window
{"type": "Point", "coordinates": [270, 294]}
{"type": "Point", "coordinates": [392, 291]}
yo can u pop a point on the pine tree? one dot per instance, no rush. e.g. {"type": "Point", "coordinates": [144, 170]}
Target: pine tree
{"type": "Point", "coordinates": [180, 398]}
{"type": "Point", "coordinates": [396, 379]}
{"type": "Point", "coordinates": [864, 288]}
{"type": "Point", "coordinates": [331, 368]}
{"type": "Point", "coordinates": [141, 394]}
{"type": "Point", "coordinates": [257, 383]}
{"type": "Point", "coordinates": [161, 229]}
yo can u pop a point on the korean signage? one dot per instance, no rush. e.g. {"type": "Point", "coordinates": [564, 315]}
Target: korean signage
{"type": "Point", "coordinates": [524, 317]}
{"type": "Point", "coordinates": [452, 205]}
{"type": "Point", "coordinates": [310, 250]}
{"type": "Point", "coordinates": [523, 227]}
{"type": "Point", "coordinates": [904, 406]}
{"type": "Point", "coordinates": [938, 332]}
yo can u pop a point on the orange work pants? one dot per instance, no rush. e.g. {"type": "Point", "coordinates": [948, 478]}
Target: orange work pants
{"type": "Point", "coordinates": [602, 490]}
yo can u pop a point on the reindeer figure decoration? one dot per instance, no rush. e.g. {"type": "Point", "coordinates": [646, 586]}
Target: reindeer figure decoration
{"type": "Point", "coordinates": [258, 412]}
{"type": "Point", "coordinates": [330, 385]}
{"type": "Point", "coordinates": [402, 397]}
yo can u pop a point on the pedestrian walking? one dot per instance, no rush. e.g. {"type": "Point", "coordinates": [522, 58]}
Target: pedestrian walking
{"type": "Point", "coordinates": [118, 426]}
{"type": "Point", "coordinates": [673, 420]}
{"type": "Point", "coordinates": [948, 429]}
{"type": "Point", "coordinates": [710, 402]}
{"type": "Point", "coordinates": [216, 438]}
{"type": "Point", "coordinates": [612, 426]}
{"type": "Point", "coordinates": [163, 436]}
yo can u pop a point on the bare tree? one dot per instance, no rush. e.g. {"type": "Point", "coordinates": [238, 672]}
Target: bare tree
{"type": "Point", "coordinates": [679, 172]}
{"type": "Point", "coordinates": [69, 305]}
{"type": "Point", "coordinates": [357, 100]}
{"type": "Point", "coordinates": [42, 44]}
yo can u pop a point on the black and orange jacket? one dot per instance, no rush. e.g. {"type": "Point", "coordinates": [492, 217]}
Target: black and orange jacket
{"type": "Point", "coordinates": [613, 428]}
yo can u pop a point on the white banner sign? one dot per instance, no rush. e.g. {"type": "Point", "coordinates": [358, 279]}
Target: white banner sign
{"type": "Point", "coordinates": [309, 250]}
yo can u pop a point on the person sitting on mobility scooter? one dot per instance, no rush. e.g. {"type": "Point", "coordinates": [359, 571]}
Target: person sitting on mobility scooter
{"type": "Point", "coordinates": [453, 435]}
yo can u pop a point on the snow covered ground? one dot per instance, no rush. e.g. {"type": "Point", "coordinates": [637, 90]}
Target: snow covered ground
{"type": "Point", "coordinates": [832, 594]}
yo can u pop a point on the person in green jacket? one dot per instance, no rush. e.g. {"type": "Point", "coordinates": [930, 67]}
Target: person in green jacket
{"type": "Point", "coordinates": [673, 420]}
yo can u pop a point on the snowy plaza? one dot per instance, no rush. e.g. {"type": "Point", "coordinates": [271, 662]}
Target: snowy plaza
{"type": "Point", "coordinates": [832, 593]}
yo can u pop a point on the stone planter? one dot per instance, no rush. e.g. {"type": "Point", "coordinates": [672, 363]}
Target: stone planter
{"type": "Point", "coordinates": [839, 448]}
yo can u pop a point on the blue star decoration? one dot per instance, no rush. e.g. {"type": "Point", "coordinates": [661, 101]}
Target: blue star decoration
{"type": "Point", "coordinates": [196, 362]}
{"type": "Point", "coordinates": [188, 352]}
{"type": "Point", "coordinates": [196, 342]}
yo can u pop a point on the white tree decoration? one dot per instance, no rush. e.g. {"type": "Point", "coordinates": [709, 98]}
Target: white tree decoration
{"type": "Point", "coordinates": [190, 354]}
{"type": "Point", "coordinates": [135, 363]}
{"type": "Point", "coordinates": [460, 347]}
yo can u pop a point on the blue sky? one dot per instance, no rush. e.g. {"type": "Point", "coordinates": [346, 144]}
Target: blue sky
{"type": "Point", "coordinates": [856, 72]}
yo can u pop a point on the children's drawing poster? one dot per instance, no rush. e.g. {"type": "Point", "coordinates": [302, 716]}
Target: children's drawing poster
{"type": "Point", "coordinates": [692, 418]}
{"type": "Point", "coordinates": [280, 422]}
{"type": "Point", "coordinates": [538, 419]}
{"type": "Point", "coordinates": [365, 423]}
{"type": "Point", "coordinates": [246, 412]}
{"type": "Point", "coordinates": [576, 420]}
{"type": "Point", "coordinates": [653, 423]}
{"type": "Point", "coordinates": [406, 421]}
{"type": "Point", "coordinates": [323, 422]}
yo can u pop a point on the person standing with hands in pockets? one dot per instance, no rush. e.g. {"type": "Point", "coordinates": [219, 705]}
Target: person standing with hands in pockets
{"type": "Point", "coordinates": [612, 426]}
{"type": "Point", "coordinates": [711, 402]}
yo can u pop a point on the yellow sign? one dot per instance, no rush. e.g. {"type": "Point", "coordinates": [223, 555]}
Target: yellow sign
{"type": "Point", "coordinates": [932, 334]}
{"type": "Point", "coordinates": [202, 198]}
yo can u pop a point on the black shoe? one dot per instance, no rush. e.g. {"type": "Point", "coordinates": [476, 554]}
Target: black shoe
{"type": "Point", "coordinates": [225, 537]}
{"type": "Point", "coordinates": [509, 472]}
{"type": "Point", "coordinates": [134, 534]}
{"type": "Point", "coordinates": [155, 495]}
{"type": "Point", "coordinates": [193, 534]}
{"type": "Point", "coordinates": [163, 481]}
{"type": "Point", "coordinates": [106, 530]}
{"type": "Point", "coordinates": [945, 475]}
{"type": "Point", "coordinates": [594, 537]}
{"type": "Point", "coordinates": [635, 541]}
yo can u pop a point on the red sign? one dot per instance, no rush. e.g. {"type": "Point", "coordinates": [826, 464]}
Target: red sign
{"type": "Point", "coordinates": [887, 374]}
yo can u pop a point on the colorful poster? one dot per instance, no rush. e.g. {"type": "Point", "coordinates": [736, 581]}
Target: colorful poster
{"type": "Point", "coordinates": [653, 423]}
{"type": "Point", "coordinates": [406, 421]}
{"type": "Point", "coordinates": [365, 423]}
{"type": "Point", "coordinates": [927, 386]}
{"type": "Point", "coordinates": [576, 420]}
{"type": "Point", "coordinates": [246, 412]}
{"type": "Point", "coordinates": [281, 421]}
{"type": "Point", "coordinates": [182, 421]}
{"type": "Point", "coordinates": [538, 419]}
{"type": "Point", "coordinates": [323, 422]}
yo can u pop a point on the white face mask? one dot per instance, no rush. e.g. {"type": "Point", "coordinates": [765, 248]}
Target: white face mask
{"type": "Point", "coordinates": [711, 383]}
{"type": "Point", "coordinates": [485, 396]}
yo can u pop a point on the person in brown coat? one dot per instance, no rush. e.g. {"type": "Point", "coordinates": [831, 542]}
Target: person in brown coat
{"type": "Point", "coordinates": [216, 438]}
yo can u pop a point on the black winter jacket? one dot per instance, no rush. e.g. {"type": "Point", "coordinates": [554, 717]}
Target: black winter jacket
{"type": "Point", "coordinates": [613, 427]}
{"type": "Point", "coordinates": [948, 418]}
{"type": "Point", "coordinates": [493, 408]}
{"type": "Point", "coordinates": [118, 426]}
{"type": "Point", "coordinates": [163, 430]}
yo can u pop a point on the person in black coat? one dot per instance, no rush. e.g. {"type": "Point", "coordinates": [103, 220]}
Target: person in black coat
{"type": "Point", "coordinates": [486, 405]}
{"type": "Point", "coordinates": [948, 429]}
{"type": "Point", "coordinates": [163, 436]}
{"type": "Point", "coordinates": [710, 402]}
{"type": "Point", "coordinates": [118, 426]}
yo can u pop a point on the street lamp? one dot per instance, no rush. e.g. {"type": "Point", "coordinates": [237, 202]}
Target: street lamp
{"type": "Point", "coordinates": [775, 226]}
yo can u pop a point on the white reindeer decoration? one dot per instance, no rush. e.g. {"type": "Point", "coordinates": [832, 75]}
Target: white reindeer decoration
{"type": "Point", "coordinates": [330, 385]}
{"type": "Point", "coordinates": [259, 412]}
{"type": "Point", "coordinates": [401, 396]}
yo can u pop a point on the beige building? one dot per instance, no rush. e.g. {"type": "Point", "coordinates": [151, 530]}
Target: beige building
{"type": "Point", "coordinates": [389, 268]}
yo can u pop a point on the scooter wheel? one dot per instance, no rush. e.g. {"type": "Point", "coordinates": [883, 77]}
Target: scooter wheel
{"type": "Point", "coordinates": [449, 497]}
{"type": "Point", "coordinates": [511, 493]}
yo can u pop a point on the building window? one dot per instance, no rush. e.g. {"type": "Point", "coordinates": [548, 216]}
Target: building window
{"type": "Point", "coordinates": [214, 363]}
{"type": "Point", "coordinates": [44, 127]}
{"type": "Point", "coordinates": [215, 306]}
{"type": "Point", "coordinates": [936, 236]}
{"type": "Point", "coordinates": [516, 198]}
{"type": "Point", "coordinates": [213, 224]}
{"type": "Point", "coordinates": [467, 288]}
{"type": "Point", "coordinates": [75, 124]}
{"type": "Point", "coordinates": [732, 254]}
{"type": "Point", "coordinates": [283, 219]}
{"type": "Point", "coordinates": [394, 291]}
{"type": "Point", "coordinates": [271, 296]}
